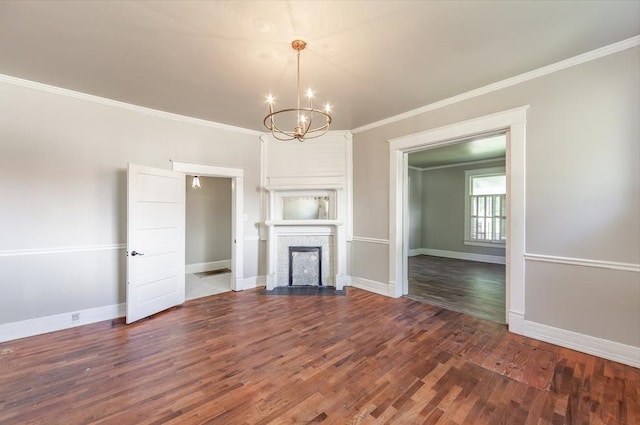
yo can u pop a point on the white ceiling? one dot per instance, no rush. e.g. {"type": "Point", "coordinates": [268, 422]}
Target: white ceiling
{"type": "Point", "coordinates": [217, 60]}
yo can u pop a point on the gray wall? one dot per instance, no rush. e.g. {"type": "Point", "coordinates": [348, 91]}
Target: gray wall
{"type": "Point", "coordinates": [415, 209]}
{"type": "Point", "coordinates": [443, 199]}
{"type": "Point", "coordinates": [63, 195]}
{"type": "Point", "coordinates": [208, 220]}
{"type": "Point", "coordinates": [582, 191]}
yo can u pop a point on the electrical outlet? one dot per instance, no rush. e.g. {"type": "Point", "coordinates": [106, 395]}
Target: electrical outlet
{"type": "Point", "coordinates": [75, 317]}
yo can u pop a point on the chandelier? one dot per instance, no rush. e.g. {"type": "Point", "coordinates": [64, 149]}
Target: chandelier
{"type": "Point", "coordinates": [300, 119]}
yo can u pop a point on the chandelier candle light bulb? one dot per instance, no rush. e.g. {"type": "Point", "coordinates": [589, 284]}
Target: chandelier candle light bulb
{"type": "Point", "coordinates": [303, 128]}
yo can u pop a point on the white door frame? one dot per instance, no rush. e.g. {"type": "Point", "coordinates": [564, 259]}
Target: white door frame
{"type": "Point", "coordinates": [237, 209]}
{"type": "Point", "coordinates": [514, 121]}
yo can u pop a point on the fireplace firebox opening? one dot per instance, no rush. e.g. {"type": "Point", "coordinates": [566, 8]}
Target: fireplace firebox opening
{"type": "Point", "coordinates": [305, 266]}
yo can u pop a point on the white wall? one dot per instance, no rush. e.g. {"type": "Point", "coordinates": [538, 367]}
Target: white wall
{"type": "Point", "coordinates": [63, 193]}
{"type": "Point", "coordinates": [582, 193]}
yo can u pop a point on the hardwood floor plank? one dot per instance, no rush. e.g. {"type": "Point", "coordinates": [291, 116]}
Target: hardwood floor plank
{"type": "Point", "coordinates": [245, 358]}
{"type": "Point", "coordinates": [469, 287]}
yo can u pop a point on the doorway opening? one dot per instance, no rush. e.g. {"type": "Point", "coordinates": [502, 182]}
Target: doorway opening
{"type": "Point", "coordinates": [457, 196]}
{"type": "Point", "coordinates": [207, 236]}
{"type": "Point", "coordinates": [234, 276]}
{"type": "Point", "coordinates": [512, 121]}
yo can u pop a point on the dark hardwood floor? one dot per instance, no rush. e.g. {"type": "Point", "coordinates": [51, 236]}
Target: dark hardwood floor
{"type": "Point", "coordinates": [469, 287]}
{"type": "Point", "coordinates": [246, 358]}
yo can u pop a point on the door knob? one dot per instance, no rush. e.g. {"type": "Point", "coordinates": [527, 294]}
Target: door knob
{"type": "Point", "coordinates": [134, 253]}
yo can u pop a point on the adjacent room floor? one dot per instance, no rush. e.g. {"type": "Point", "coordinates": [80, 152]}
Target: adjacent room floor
{"type": "Point", "coordinates": [198, 285]}
{"type": "Point", "coordinates": [469, 287]}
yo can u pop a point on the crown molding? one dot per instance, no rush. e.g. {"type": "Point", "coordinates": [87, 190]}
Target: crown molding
{"type": "Point", "coordinates": [123, 105]}
{"type": "Point", "coordinates": [536, 73]}
{"type": "Point", "coordinates": [546, 70]}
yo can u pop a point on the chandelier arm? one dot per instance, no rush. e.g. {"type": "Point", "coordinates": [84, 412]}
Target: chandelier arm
{"type": "Point", "coordinates": [278, 130]}
{"type": "Point", "coordinates": [310, 122]}
{"type": "Point", "coordinates": [271, 117]}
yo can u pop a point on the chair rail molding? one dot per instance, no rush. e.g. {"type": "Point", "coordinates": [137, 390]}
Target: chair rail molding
{"type": "Point", "coordinates": [61, 249]}
{"type": "Point", "coordinates": [584, 262]}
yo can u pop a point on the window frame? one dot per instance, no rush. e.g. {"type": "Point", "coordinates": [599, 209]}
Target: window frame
{"type": "Point", "coordinates": [468, 175]}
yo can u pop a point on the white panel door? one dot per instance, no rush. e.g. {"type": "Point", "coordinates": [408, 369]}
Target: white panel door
{"type": "Point", "coordinates": [155, 240]}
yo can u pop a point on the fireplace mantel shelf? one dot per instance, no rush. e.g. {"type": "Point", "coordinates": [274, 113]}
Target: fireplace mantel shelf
{"type": "Point", "coordinates": [303, 223]}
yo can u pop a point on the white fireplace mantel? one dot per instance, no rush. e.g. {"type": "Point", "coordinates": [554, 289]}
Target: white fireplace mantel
{"type": "Point", "coordinates": [320, 168]}
{"type": "Point", "coordinates": [330, 232]}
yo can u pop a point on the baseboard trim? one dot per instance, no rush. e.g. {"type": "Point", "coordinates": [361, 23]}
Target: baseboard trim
{"type": "Point", "coordinates": [205, 267]}
{"type": "Point", "coordinates": [371, 286]}
{"type": "Point", "coordinates": [250, 282]}
{"type": "Point", "coordinates": [58, 322]}
{"type": "Point", "coordinates": [604, 348]}
{"type": "Point", "coordinates": [493, 259]}
{"type": "Point", "coordinates": [516, 322]}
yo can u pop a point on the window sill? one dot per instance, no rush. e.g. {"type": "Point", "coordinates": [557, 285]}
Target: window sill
{"type": "Point", "coordinates": [486, 244]}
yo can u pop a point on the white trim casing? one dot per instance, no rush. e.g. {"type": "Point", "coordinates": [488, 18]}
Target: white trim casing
{"type": "Point", "coordinates": [206, 170]}
{"type": "Point", "coordinates": [348, 192]}
{"type": "Point", "coordinates": [516, 322]}
{"type": "Point", "coordinates": [513, 121]}
{"type": "Point", "coordinates": [264, 198]}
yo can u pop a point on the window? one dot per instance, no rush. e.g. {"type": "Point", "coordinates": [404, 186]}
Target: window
{"type": "Point", "coordinates": [485, 207]}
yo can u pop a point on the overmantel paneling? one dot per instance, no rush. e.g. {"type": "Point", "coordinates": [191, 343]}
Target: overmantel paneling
{"type": "Point", "coordinates": [316, 164]}
{"type": "Point", "coordinates": [311, 162]}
